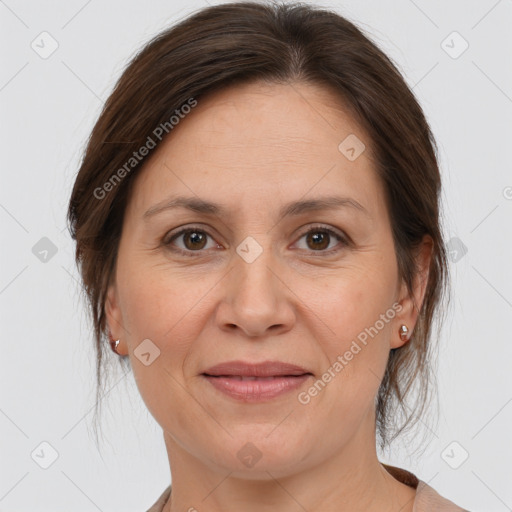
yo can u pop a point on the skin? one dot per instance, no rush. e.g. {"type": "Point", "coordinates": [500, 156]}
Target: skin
{"type": "Point", "coordinates": [254, 148]}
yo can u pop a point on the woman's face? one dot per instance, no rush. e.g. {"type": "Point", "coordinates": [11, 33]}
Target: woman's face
{"type": "Point", "coordinates": [258, 280]}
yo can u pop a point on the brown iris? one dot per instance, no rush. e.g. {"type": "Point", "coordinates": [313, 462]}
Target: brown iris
{"type": "Point", "coordinates": [198, 239]}
{"type": "Point", "coordinates": [318, 236]}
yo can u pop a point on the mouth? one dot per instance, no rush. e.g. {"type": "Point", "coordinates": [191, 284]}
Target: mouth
{"type": "Point", "coordinates": [250, 382]}
{"type": "Point", "coordinates": [253, 377]}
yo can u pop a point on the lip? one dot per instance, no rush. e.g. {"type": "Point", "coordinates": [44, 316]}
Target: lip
{"type": "Point", "coordinates": [263, 369]}
{"type": "Point", "coordinates": [256, 382]}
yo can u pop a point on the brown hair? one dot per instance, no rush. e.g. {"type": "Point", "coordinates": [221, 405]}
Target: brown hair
{"type": "Point", "coordinates": [279, 43]}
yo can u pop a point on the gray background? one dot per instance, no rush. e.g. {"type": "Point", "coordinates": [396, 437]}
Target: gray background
{"type": "Point", "coordinates": [48, 107]}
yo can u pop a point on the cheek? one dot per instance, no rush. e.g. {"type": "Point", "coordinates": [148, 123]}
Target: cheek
{"type": "Point", "coordinates": [358, 310]}
{"type": "Point", "coordinates": [167, 313]}
{"type": "Point", "coordinates": [355, 303]}
{"type": "Point", "coordinates": [167, 309]}
{"type": "Point", "coordinates": [159, 304]}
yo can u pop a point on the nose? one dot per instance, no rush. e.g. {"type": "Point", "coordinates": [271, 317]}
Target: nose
{"type": "Point", "coordinates": [256, 299]}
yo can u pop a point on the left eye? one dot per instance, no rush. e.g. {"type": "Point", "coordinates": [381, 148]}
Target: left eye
{"type": "Point", "coordinates": [320, 237]}
{"type": "Point", "coordinates": [195, 239]}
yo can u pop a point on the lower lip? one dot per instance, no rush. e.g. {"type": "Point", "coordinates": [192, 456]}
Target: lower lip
{"type": "Point", "coordinates": [256, 390]}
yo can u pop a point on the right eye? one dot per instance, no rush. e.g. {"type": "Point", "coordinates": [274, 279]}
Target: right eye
{"type": "Point", "coordinates": [194, 240]}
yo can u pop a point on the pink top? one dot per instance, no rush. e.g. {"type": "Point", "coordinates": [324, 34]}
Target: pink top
{"type": "Point", "coordinates": [426, 500]}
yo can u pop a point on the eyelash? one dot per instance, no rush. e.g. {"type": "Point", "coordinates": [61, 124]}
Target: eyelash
{"type": "Point", "coordinates": [319, 228]}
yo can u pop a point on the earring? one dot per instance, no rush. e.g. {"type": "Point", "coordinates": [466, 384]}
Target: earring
{"type": "Point", "coordinates": [114, 344]}
{"type": "Point", "coordinates": [403, 332]}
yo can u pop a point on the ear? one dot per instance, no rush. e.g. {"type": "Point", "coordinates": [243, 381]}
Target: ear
{"type": "Point", "coordinates": [411, 305]}
{"type": "Point", "coordinates": [114, 318]}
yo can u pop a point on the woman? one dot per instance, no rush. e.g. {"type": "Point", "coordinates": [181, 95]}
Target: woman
{"type": "Point", "coordinates": [257, 227]}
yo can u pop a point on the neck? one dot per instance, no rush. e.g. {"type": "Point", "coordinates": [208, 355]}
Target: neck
{"type": "Point", "coordinates": [351, 479]}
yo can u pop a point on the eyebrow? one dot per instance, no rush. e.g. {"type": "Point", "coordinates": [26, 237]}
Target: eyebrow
{"type": "Point", "coordinates": [290, 209]}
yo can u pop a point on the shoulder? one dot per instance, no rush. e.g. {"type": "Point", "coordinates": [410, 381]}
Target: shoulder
{"type": "Point", "coordinates": [428, 499]}
{"type": "Point", "coordinates": [161, 501]}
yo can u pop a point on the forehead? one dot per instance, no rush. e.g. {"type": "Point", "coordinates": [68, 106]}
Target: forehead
{"type": "Point", "coordinates": [266, 120]}
{"type": "Point", "coordinates": [263, 142]}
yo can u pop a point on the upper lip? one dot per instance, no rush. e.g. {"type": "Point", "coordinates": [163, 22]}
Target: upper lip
{"type": "Point", "coordinates": [263, 369]}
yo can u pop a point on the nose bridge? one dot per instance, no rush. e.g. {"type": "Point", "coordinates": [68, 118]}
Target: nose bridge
{"type": "Point", "coordinates": [254, 299]}
{"type": "Point", "coordinates": [253, 276]}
